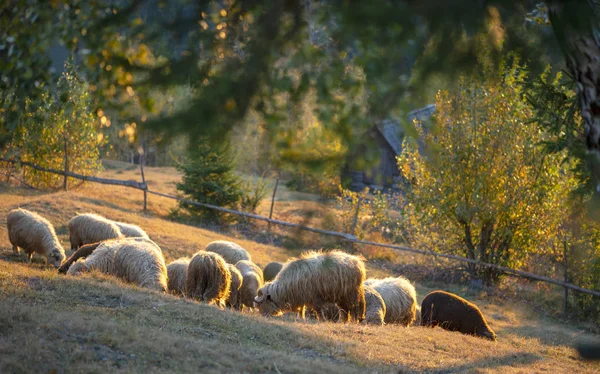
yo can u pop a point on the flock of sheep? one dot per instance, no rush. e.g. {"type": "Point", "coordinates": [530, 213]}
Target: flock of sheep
{"type": "Point", "coordinates": [323, 285]}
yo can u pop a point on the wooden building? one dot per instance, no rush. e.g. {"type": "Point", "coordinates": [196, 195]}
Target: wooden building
{"type": "Point", "coordinates": [373, 162]}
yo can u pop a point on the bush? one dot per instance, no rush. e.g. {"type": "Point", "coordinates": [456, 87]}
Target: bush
{"type": "Point", "coordinates": [480, 184]}
{"type": "Point", "coordinates": [55, 125]}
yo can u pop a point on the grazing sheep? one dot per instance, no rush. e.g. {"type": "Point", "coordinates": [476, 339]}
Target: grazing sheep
{"type": "Point", "coordinates": [177, 274]}
{"type": "Point", "coordinates": [313, 280]}
{"type": "Point", "coordinates": [131, 231]}
{"type": "Point", "coordinates": [230, 251]}
{"type": "Point", "coordinates": [453, 313]}
{"type": "Point", "coordinates": [91, 228]}
{"type": "Point", "coordinates": [252, 281]}
{"type": "Point", "coordinates": [233, 301]}
{"type": "Point", "coordinates": [33, 233]}
{"type": "Point", "coordinates": [82, 252]}
{"type": "Point", "coordinates": [136, 260]}
{"type": "Point", "coordinates": [375, 313]}
{"type": "Point", "coordinates": [208, 279]}
{"type": "Point", "coordinates": [400, 299]}
{"type": "Point", "coordinates": [271, 270]}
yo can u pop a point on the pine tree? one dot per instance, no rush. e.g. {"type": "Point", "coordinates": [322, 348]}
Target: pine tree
{"type": "Point", "coordinates": [208, 177]}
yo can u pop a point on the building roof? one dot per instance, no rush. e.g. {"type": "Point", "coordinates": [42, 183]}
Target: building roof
{"type": "Point", "coordinates": [392, 131]}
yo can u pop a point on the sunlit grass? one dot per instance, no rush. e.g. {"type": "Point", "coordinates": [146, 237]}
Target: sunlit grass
{"type": "Point", "coordinates": [97, 323]}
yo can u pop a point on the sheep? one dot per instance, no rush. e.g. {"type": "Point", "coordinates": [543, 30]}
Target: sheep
{"type": "Point", "coordinates": [131, 231]}
{"type": "Point", "coordinates": [376, 309]}
{"type": "Point", "coordinates": [313, 280]}
{"type": "Point", "coordinates": [91, 228]}
{"type": "Point", "coordinates": [233, 300]}
{"type": "Point", "coordinates": [400, 299]}
{"type": "Point", "coordinates": [270, 271]}
{"type": "Point", "coordinates": [208, 279]}
{"type": "Point", "coordinates": [177, 274]}
{"type": "Point", "coordinates": [252, 281]}
{"type": "Point", "coordinates": [83, 252]}
{"type": "Point", "coordinates": [230, 251]}
{"type": "Point", "coordinates": [135, 260]}
{"type": "Point", "coordinates": [453, 313]}
{"type": "Point", "coordinates": [33, 233]}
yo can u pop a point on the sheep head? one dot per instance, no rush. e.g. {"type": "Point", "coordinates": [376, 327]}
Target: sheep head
{"type": "Point", "coordinates": [266, 303]}
{"type": "Point", "coordinates": [56, 257]}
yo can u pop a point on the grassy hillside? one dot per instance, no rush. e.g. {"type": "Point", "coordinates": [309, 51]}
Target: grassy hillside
{"type": "Point", "coordinates": [96, 323]}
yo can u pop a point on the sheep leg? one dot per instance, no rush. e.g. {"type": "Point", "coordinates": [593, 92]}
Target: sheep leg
{"type": "Point", "coordinates": [29, 256]}
{"type": "Point", "coordinates": [15, 249]}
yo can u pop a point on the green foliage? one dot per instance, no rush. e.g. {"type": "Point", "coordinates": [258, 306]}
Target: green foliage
{"type": "Point", "coordinates": [208, 177]}
{"type": "Point", "coordinates": [254, 190]}
{"type": "Point", "coordinates": [582, 239]}
{"type": "Point", "coordinates": [481, 180]}
{"type": "Point", "coordinates": [556, 109]}
{"type": "Point", "coordinates": [29, 30]}
{"type": "Point", "coordinates": [57, 124]}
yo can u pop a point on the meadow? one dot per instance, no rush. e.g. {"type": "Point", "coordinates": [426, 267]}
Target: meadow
{"type": "Point", "coordinates": [95, 323]}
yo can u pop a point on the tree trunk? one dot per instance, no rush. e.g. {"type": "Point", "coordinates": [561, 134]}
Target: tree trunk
{"type": "Point", "coordinates": [576, 25]}
{"type": "Point", "coordinates": [470, 246]}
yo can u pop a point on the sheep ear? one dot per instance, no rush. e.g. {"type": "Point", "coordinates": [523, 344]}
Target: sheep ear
{"type": "Point", "coordinates": [260, 297]}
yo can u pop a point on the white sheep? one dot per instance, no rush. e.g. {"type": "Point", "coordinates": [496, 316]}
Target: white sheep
{"type": "Point", "coordinates": [208, 279]}
{"type": "Point", "coordinates": [131, 231]}
{"type": "Point", "coordinates": [34, 234]}
{"type": "Point", "coordinates": [314, 280]}
{"type": "Point", "coordinates": [400, 299]}
{"type": "Point", "coordinates": [230, 251]}
{"type": "Point", "coordinates": [136, 260]}
{"type": "Point", "coordinates": [91, 228]}
{"type": "Point", "coordinates": [177, 274]}
{"type": "Point", "coordinates": [251, 281]}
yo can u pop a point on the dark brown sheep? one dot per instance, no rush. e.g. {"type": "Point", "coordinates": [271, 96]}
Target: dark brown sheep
{"type": "Point", "coordinates": [82, 252]}
{"type": "Point", "coordinates": [453, 313]}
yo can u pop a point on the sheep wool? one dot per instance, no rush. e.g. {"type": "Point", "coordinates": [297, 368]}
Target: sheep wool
{"type": "Point", "coordinates": [313, 280]}
{"type": "Point", "coordinates": [131, 231]}
{"type": "Point", "coordinates": [234, 298]}
{"type": "Point", "coordinates": [91, 228]}
{"type": "Point", "coordinates": [135, 260]}
{"type": "Point", "coordinates": [34, 234]}
{"type": "Point", "coordinates": [400, 299]}
{"type": "Point", "coordinates": [177, 275]}
{"type": "Point", "coordinates": [252, 280]}
{"type": "Point", "coordinates": [271, 270]}
{"type": "Point", "coordinates": [375, 313]}
{"type": "Point", "coordinates": [230, 251]}
{"type": "Point", "coordinates": [208, 279]}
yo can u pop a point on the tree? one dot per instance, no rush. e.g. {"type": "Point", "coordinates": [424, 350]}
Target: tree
{"type": "Point", "coordinates": [488, 188]}
{"type": "Point", "coordinates": [59, 131]}
{"type": "Point", "coordinates": [241, 54]}
{"type": "Point", "coordinates": [208, 178]}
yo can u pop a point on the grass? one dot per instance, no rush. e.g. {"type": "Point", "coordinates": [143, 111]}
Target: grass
{"type": "Point", "coordinates": [96, 323]}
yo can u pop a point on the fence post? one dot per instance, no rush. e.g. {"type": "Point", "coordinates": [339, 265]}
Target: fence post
{"type": "Point", "coordinates": [273, 202]}
{"type": "Point", "coordinates": [144, 180]}
{"type": "Point", "coordinates": [65, 187]}
{"type": "Point", "coordinates": [354, 223]}
{"type": "Point", "coordinates": [566, 275]}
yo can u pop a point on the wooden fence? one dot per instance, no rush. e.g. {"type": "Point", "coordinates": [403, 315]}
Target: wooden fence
{"type": "Point", "coordinates": [345, 236]}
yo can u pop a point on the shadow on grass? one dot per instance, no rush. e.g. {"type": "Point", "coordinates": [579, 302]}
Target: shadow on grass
{"type": "Point", "coordinates": [105, 203]}
{"type": "Point", "coordinates": [510, 360]}
{"type": "Point", "coordinates": [544, 335]}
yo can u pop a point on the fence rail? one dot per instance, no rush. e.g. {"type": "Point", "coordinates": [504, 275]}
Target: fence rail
{"type": "Point", "coordinates": [348, 237]}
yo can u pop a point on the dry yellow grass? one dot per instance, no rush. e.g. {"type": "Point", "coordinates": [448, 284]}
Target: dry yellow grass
{"type": "Point", "coordinates": [95, 323]}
